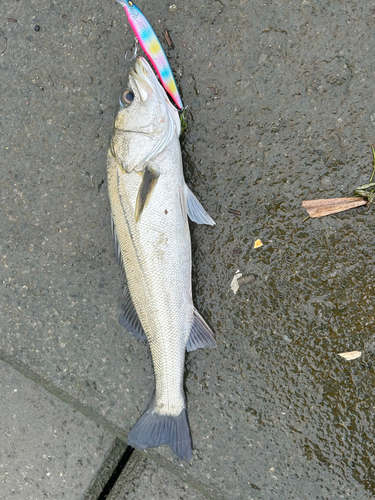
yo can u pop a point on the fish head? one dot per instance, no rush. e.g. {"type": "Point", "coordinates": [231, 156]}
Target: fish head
{"type": "Point", "coordinates": [146, 120]}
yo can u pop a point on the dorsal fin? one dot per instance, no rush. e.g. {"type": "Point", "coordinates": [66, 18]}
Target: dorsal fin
{"type": "Point", "coordinates": [116, 243]}
{"type": "Point", "coordinates": [129, 318]}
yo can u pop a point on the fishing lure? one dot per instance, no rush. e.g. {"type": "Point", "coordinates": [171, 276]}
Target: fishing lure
{"type": "Point", "coordinates": [151, 46]}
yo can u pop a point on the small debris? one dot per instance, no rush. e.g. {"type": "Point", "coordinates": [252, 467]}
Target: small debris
{"type": "Point", "coordinates": [91, 177]}
{"type": "Point", "coordinates": [172, 8]}
{"type": "Point", "coordinates": [239, 280]}
{"type": "Point", "coordinates": [3, 43]}
{"type": "Point", "coordinates": [237, 251]}
{"type": "Point", "coordinates": [37, 27]}
{"type": "Point", "coordinates": [234, 212]}
{"type": "Point", "coordinates": [320, 208]}
{"type": "Point", "coordinates": [258, 244]}
{"type": "Point", "coordinates": [183, 120]}
{"type": "Point", "coordinates": [234, 285]}
{"type": "Point", "coordinates": [11, 20]}
{"type": "Point", "coordinates": [168, 39]}
{"type": "Point", "coordinates": [100, 185]}
{"type": "Point", "coordinates": [250, 278]}
{"type": "Point", "coordinates": [367, 191]}
{"type": "Point", "coordinates": [350, 355]}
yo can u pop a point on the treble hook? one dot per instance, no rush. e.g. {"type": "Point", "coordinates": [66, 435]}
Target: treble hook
{"type": "Point", "coordinates": [135, 51]}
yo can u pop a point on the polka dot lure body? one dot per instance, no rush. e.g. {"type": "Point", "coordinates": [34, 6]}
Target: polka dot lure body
{"type": "Point", "coordinates": [150, 44]}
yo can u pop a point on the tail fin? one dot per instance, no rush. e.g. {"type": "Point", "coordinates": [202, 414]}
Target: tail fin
{"type": "Point", "coordinates": [153, 429]}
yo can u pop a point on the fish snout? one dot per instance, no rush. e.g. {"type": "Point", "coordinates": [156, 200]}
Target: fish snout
{"type": "Point", "coordinates": [142, 77]}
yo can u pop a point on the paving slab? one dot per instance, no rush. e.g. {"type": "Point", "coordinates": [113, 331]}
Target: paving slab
{"type": "Point", "coordinates": [142, 478]}
{"type": "Point", "coordinates": [48, 449]}
{"type": "Point", "coordinates": [281, 109]}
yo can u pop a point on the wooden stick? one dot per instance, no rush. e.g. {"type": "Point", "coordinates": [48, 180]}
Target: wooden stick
{"type": "Point", "coordinates": [320, 208]}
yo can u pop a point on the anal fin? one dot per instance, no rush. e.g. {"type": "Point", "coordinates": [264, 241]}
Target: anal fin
{"type": "Point", "coordinates": [200, 335]}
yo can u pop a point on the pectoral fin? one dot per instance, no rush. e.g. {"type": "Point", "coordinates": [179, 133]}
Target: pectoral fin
{"type": "Point", "coordinates": [149, 180]}
{"type": "Point", "coordinates": [195, 210]}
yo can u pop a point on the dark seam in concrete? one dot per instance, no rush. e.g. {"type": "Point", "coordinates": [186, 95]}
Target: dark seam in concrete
{"type": "Point", "coordinates": [104, 474]}
{"type": "Point", "coordinates": [117, 431]}
{"type": "Point", "coordinates": [116, 473]}
{"type": "Point", "coordinates": [88, 412]}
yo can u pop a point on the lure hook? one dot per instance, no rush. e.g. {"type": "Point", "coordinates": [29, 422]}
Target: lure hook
{"type": "Point", "coordinates": [135, 51]}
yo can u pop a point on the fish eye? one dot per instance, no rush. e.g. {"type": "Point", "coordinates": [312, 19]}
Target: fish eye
{"type": "Point", "coordinates": [126, 98]}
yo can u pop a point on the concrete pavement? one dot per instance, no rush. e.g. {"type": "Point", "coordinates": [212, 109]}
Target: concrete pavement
{"type": "Point", "coordinates": [281, 109]}
{"type": "Point", "coordinates": [48, 449]}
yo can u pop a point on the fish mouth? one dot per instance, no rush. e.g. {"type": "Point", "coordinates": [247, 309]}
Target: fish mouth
{"type": "Point", "coordinates": [143, 77]}
{"type": "Point", "coordinates": [141, 68]}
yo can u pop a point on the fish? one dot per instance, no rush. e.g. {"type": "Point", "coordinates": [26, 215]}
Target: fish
{"type": "Point", "coordinates": [150, 205]}
{"type": "Point", "coordinates": [149, 42]}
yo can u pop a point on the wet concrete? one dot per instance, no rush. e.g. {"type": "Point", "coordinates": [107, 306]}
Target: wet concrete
{"type": "Point", "coordinates": [281, 109]}
{"type": "Point", "coordinates": [143, 478]}
{"type": "Point", "coordinates": [48, 449]}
